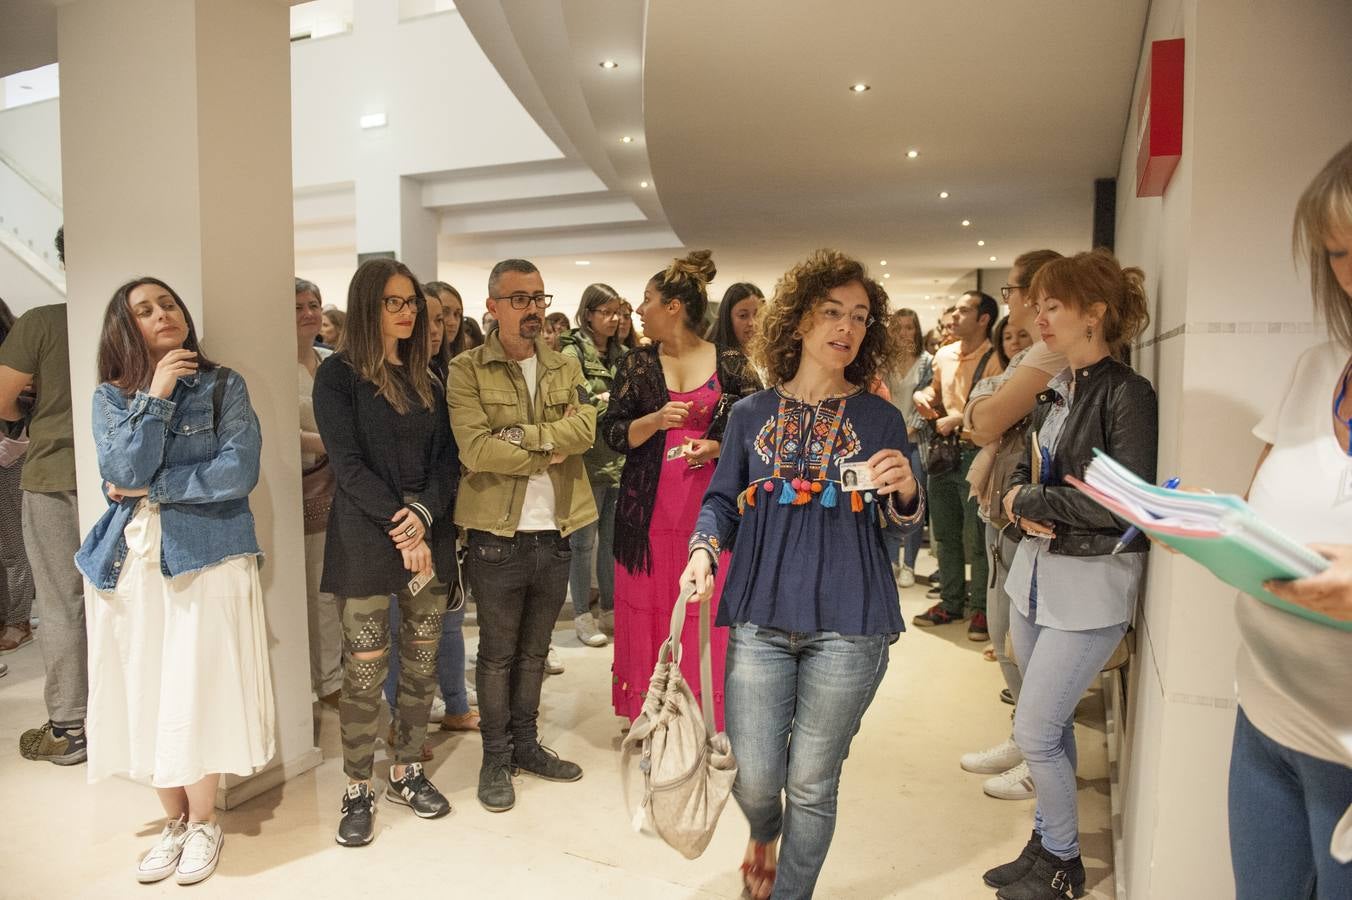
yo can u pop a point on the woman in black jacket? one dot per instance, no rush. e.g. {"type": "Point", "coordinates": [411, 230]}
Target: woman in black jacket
{"type": "Point", "coordinates": [383, 419]}
{"type": "Point", "coordinates": [1071, 594]}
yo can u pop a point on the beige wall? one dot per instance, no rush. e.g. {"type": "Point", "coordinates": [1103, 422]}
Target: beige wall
{"type": "Point", "coordinates": [1266, 104]}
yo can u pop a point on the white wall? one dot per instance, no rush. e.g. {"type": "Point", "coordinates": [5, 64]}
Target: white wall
{"type": "Point", "coordinates": [1265, 106]}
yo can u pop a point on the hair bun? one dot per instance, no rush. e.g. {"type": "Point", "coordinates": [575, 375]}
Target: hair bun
{"type": "Point", "coordinates": [697, 265]}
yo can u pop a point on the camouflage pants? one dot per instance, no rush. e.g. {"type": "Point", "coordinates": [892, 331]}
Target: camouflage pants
{"type": "Point", "coordinates": [366, 630]}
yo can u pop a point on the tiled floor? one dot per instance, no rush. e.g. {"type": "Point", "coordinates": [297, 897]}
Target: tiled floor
{"type": "Point", "coordinates": [912, 824]}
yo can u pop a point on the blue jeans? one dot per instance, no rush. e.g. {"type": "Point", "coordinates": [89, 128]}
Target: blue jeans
{"type": "Point", "coordinates": [601, 535]}
{"type": "Point", "coordinates": [892, 538]}
{"type": "Point", "coordinates": [793, 704]}
{"type": "Point", "coordinates": [1058, 666]}
{"type": "Point", "coordinates": [1283, 806]}
{"type": "Point", "coordinates": [450, 660]}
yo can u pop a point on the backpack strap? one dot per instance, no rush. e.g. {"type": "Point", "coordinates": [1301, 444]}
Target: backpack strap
{"type": "Point", "coordinates": [218, 395]}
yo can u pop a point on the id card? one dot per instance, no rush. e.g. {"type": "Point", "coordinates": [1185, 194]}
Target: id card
{"type": "Point", "coordinates": [855, 476]}
{"type": "Point", "coordinates": [676, 452]}
{"type": "Point", "coordinates": [420, 581]}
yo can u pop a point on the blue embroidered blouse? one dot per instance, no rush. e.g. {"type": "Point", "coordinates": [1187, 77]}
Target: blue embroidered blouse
{"type": "Point", "coordinates": [807, 556]}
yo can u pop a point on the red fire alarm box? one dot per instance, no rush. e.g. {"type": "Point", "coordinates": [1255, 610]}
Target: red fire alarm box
{"type": "Point", "coordinates": [1159, 119]}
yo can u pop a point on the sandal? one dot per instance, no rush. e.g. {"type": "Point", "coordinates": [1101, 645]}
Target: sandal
{"type": "Point", "coordinates": [757, 873]}
{"type": "Point", "coordinates": [464, 722]}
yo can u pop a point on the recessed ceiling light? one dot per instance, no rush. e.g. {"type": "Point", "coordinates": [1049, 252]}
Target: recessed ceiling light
{"type": "Point", "coordinates": [981, 243]}
{"type": "Point", "coordinates": [912, 154]}
{"type": "Point", "coordinates": [887, 274]}
{"type": "Point", "coordinates": [943, 195]}
{"type": "Point", "coordinates": [626, 140]}
{"type": "Point", "coordinates": [373, 120]}
{"type": "Point", "coordinates": [582, 262]}
{"type": "Point", "coordinates": [927, 296]}
{"type": "Point", "coordinates": [966, 223]}
{"type": "Point", "coordinates": [609, 64]}
{"type": "Point", "coordinates": [859, 87]}
{"type": "Point", "coordinates": [882, 262]}
{"type": "Point", "coordinates": [643, 184]}
{"type": "Point", "coordinates": [992, 259]}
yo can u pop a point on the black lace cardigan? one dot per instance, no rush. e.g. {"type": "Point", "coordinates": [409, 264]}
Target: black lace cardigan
{"type": "Point", "coordinates": [640, 389]}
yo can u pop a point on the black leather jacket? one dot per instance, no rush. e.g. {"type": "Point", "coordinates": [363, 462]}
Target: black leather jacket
{"type": "Point", "coordinates": [1115, 410]}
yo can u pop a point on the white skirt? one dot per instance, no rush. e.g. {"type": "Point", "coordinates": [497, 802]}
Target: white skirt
{"type": "Point", "coordinates": [179, 682]}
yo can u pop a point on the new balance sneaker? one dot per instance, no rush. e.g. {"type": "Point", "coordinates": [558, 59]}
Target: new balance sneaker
{"type": "Point", "coordinates": [906, 577]}
{"type": "Point", "coordinates": [588, 632]}
{"type": "Point", "coordinates": [54, 744]}
{"type": "Point", "coordinates": [976, 629]}
{"type": "Point", "coordinates": [417, 793]}
{"type": "Point", "coordinates": [553, 665]}
{"type": "Point", "coordinates": [1000, 758]}
{"type": "Point", "coordinates": [936, 615]}
{"type": "Point", "coordinates": [496, 793]}
{"type": "Point", "coordinates": [542, 762]}
{"type": "Point", "coordinates": [162, 859]}
{"type": "Point", "coordinates": [1016, 784]}
{"type": "Point", "coordinates": [201, 851]}
{"type": "Point", "coordinates": [356, 827]}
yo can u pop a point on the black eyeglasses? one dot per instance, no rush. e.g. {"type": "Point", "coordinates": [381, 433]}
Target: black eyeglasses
{"type": "Point", "coordinates": [522, 301]}
{"type": "Point", "coordinates": [1008, 289]}
{"type": "Point", "coordinates": [397, 304]}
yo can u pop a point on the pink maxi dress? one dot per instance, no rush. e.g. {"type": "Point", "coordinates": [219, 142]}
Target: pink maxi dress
{"type": "Point", "coordinates": [644, 601]}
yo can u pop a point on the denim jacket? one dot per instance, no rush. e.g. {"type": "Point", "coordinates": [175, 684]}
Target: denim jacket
{"type": "Point", "coordinates": [199, 475]}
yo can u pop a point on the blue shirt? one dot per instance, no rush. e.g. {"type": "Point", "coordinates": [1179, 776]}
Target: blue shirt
{"type": "Point", "coordinates": [199, 472]}
{"type": "Point", "coordinates": [806, 555]}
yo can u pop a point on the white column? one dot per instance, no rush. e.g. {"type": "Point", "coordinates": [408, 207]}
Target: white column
{"type": "Point", "coordinates": [176, 140]}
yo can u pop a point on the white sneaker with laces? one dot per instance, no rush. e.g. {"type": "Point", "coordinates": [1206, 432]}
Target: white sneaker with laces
{"type": "Point", "coordinates": [1000, 758]}
{"type": "Point", "coordinates": [1016, 784]}
{"type": "Point", "coordinates": [588, 632]}
{"type": "Point", "coordinates": [201, 851]}
{"type": "Point", "coordinates": [553, 665]}
{"type": "Point", "coordinates": [162, 859]}
{"type": "Point", "coordinates": [906, 578]}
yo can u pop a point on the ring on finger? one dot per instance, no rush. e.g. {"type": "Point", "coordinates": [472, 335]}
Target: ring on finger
{"type": "Point", "coordinates": [411, 530]}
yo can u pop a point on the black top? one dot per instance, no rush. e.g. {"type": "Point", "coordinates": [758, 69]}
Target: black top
{"type": "Point", "coordinates": [382, 461]}
{"type": "Point", "coordinates": [640, 389]}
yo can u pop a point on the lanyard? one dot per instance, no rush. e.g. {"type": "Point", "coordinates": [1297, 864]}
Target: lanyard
{"type": "Point", "coordinates": [1338, 403]}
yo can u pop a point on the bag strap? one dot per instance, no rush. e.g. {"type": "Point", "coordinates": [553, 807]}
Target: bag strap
{"type": "Point", "coordinates": [980, 370]}
{"type": "Point", "coordinates": [706, 664]}
{"type": "Point", "coordinates": [218, 395]}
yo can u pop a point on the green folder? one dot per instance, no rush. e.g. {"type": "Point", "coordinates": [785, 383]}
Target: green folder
{"type": "Point", "coordinates": [1220, 531]}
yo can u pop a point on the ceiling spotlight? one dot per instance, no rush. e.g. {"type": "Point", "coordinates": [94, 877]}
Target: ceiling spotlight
{"type": "Point", "coordinates": [966, 223]}
{"type": "Point", "coordinates": [887, 274]}
{"type": "Point", "coordinates": [927, 296]}
{"type": "Point", "coordinates": [859, 87]}
{"type": "Point", "coordinates": [981, 243]}
{"type": "Point", "coordinates": [582, 262]}
{"type": "Point", "coordinates": [373, 120]}
{"type": "Point", "coordinates": [626, 140]}
{"type": "Point", "coordinates": [609, 64]}
{"type": "Point", "coordinates": [643, 184]}
{"type": "Point", "coordinates": [912, 154]}
{"type": "Point", "coordinates": [992, 259]}
{"type": "Point", "coordinates": [943, 195]}
{"type": "Point", "coordinates": [882, 262]}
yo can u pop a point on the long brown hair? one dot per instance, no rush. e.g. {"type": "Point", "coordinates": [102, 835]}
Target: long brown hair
{"type": "Point", "coordinates": [124, 359]}
{"type": "Point", "coordinates": [364, 346]}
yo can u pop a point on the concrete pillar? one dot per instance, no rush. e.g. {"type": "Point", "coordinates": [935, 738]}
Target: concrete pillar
{"type": "Point", "coordinates": [176, 139]}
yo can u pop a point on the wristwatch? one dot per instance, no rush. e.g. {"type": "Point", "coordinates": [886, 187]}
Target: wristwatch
{"type": "Point", "coordinates": [512, 434]}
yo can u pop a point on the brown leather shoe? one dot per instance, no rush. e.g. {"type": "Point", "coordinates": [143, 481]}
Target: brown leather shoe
{"type": "Point", "coordinates": [15, 636]}
{"type": "Point", "coordinates": [467, 722]}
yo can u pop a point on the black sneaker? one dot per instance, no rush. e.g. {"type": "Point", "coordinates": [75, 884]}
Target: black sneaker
{"type": "Point", "coordinates": [355, 828]}
{"type": "Point", "coordinates": [1011, 872]}
{"type": "Point", "coordinates": [935, 615]}
{"type": "Point", "coordinates": [544, 763]}
{"type": "Point", "coordinates": [496, 793]}
{"type": "Point", "coordinates": [1050, 878]}
{"type": "Point", "coordinates": [417, 793]}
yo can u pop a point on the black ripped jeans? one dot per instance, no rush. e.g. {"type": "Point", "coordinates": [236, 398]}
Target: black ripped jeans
{"type": "Point", "coordinates": [519, 584]}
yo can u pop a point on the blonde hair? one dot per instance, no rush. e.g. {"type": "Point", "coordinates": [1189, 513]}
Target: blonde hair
{"type": "Point", "coordinates": [1323, 209]}
{"type": "Point", "coordinates": [1096, 276]}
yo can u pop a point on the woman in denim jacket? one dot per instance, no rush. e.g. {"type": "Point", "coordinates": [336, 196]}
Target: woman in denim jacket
{"type": "Point", "coordinates": [179, 684]}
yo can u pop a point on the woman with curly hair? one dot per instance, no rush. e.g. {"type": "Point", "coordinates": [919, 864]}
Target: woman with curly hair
{"type": "Point", "coordinates": [668, 408]}
{"type": "Point", "coordinates": [812, 472]}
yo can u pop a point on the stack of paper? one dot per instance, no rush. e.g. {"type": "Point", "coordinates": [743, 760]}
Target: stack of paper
{"type": "Point", "coordinates": [1220, 531]}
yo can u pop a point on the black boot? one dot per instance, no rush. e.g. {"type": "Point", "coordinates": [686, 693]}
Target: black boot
{"type": "Point", "coordinates": [1051, 878]}
{"type": "Point", "coordinates": [496, 793]}
{"type": "Point", "coordinates": [1011, 872]}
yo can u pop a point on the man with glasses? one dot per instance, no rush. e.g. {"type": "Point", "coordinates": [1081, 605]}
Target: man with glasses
{"type": "Point", "coordinates": [521, 420]}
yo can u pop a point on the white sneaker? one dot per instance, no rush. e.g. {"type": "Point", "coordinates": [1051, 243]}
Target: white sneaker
{"type": "Point", "coordinates": [588, 632]}
{"type": "Point", "coordinates": [553, 665]}
{"type": "Point", "coordinates": [906, 578]}
{"type": "Point", "coordinates": [438, 711]}
{"type": "Point", "coordinates": [471, 693]}
{"type": "Point", "coordinates": [201, 851]}
{"type": "Point", "coordinates": [162, 859]}
{"type": "Point", "coordinates": [1016, 784]}
{"type": "Point", "coordinates": [1000, 758]}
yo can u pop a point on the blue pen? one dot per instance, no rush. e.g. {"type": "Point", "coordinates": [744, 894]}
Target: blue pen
{"type": "Point", "coordinates": [1132, 532]}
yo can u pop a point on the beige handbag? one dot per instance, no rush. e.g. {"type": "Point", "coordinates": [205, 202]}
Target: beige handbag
{"type": "Point", "coordinates": [688, 768]}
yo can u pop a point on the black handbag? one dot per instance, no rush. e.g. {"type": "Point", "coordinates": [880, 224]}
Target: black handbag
{"type": "Point", "coordinates": [945, 450]}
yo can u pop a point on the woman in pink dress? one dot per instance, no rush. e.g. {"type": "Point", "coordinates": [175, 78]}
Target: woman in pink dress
{"type": "Point", "coordinates": [667, 413]}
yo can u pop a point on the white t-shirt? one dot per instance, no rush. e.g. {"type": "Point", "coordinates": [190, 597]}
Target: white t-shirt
{"type": "Point", "coordinates": [1294, 676]}
{"type": "Point", "coordinates": [537, 512]}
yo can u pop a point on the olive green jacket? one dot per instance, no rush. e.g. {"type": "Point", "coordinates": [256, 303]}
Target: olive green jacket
{"type": "Point", "coordinates": [603, 464]}
{"type": "Point", "coordinates": [486, 392]}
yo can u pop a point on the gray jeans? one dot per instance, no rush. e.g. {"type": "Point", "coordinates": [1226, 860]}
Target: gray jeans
{"type": "Point", "coordinates": [1000, 551]}
{"type": "Point", "coordinates": [16, 576]}
{"type": "Point", "coordinates": [51, 534]}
